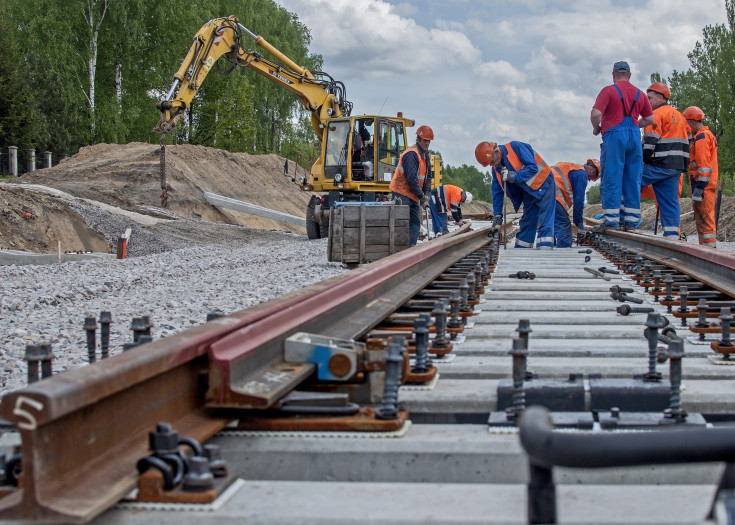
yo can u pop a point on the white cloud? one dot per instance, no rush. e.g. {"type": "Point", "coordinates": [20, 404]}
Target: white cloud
{"type": "Point", "coordinates": [499, 69]}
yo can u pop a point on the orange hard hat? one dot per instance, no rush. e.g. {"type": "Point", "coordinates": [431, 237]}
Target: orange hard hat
{"type": "Point", "coordinates": [484, 153]}
{"type": "Point", "coordinates": [596, 164]}
{"type": "Point", "coordinates": [693, 113]}
{"type": "Point", "coordinates": [660, 87]}
{"type": "Point", "coordinates": [425, 132]}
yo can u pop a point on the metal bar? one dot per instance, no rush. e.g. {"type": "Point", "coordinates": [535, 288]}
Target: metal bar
{"type": "Point", "coordinates": [246, 207]}
{"type": "Point", "coordinates": [595, 450]}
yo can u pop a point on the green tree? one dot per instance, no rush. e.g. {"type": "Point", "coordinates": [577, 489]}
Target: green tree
{"type": "Point", "coordinates": [18, 119]}
{"type": "Point", "coordinates": [469, 179]}
{"type": "Point", "coordinates": [710, 83]}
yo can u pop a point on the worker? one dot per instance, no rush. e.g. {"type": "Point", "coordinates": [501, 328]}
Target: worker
{"type": "Point", "coordinates": [571, 187]}
{"type": "Point", "coordinates": [447, 197]}
{"type": "Point", "coordinates": [411, 181]}
{"type": "Point", "coordinates": [517, 167]}
{"type": "Point", "coordinates": [703, 176]}
{"type": "Point", "coordinates": [619, 112]}
{"type": "Point", "coordinates": [665, 156]}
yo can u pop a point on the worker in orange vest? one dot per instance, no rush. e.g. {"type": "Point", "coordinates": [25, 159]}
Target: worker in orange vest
{"type": "Point", "coordinates": [571, 185]}
{"type": "Point", "coordinates": [665, 155]}
{"type": "Point", "coordinates": [703, 176]}
{"type": "Point", "coordinates": [411, 181]}
{"type": "Point", "coordinates": [444, 198]}
{"type": "Point", "coordinates": [526, 178]}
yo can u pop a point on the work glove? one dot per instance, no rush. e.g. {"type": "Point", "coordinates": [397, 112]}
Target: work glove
{"type": "Point", "coordinates": [498, 220]}
{"type": "Point", "coordinates": [508, 176]}
{"type": "Point", "coordinates": [424, 202]}
{"type": "Point", "coordinates": [698, 194]}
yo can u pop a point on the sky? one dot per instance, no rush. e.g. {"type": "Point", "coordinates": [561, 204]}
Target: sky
{"type": "Point", "coordinates": [499, 70]}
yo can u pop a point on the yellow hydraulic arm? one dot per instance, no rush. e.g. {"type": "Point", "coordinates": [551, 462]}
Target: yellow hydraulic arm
{"type": "Point", "coordinates": [319, 93]}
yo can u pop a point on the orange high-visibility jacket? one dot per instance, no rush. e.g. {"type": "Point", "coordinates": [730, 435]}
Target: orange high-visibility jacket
{"type": "Point", "coordinates": [564, 193]}
{"type": "Point", "coordinates": [398, 183]}
{"type": "Point", "coordinates": [666, 141]}
{"type": "Point", "coordinates": [537, 180]}
{"type": "Point", "coordinates": [703, 165]}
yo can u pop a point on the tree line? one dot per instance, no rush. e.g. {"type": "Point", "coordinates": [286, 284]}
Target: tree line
{"type": "Point", "coordinates": [80, 72]}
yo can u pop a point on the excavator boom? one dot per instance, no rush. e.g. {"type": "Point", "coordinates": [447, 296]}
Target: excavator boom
{"type": "Point", "coordinates": [320, 94]}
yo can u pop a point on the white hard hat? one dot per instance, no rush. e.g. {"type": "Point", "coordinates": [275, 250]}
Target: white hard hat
{"type": "Point", "coordinates": [468, 197]}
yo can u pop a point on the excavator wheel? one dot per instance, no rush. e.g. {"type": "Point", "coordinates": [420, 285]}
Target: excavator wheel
{"type": "Point", "coordinates": [313, 229]}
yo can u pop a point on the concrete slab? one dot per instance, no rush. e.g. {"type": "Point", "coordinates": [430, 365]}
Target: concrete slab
{"type": "Point", "coordinates": [631, 348]}
{"type": "Point", "coordinates": [290, 502]}
{"type": "Point", "coordinates": [491, 367]}
{"type": "Point", "coordinates": [20, 258]}
{"type": "Point", "coordinates": [591, 332]}
{"type": "Point", "coordinates": [555, 318]}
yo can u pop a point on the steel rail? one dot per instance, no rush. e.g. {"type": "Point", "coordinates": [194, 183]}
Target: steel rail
{"type": "Point", "coordinates": [84, 430]}
{"type": "Point", "coordinates": [707, 265]}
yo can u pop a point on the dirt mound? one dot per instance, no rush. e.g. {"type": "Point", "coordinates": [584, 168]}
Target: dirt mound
{"type": "Point", "coordinates": [127, 176]}
{"type": "Point", "coordinates": [33, 222]}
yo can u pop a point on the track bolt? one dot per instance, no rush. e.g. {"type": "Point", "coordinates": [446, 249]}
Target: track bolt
{"type": "Point", "coordinates": [625, 309]}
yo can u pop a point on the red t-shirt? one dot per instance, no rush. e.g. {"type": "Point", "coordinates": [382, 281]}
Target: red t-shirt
{"type": "Point", "coordinates": [608, 102]}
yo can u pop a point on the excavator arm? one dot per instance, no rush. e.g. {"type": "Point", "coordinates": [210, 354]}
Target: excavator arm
{"type": "Point", "coordinates": [320, 94]}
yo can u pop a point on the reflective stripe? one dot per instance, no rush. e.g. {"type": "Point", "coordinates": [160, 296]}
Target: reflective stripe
{"type": "Point", "coordinates": [660, 154]}
{"type": "Point", "coordinates": [631, 210]}
{"type": "Point", "coordinates": [523, 244]}
{"type": "Point", "coordinates": [649, 134]}
{"type": "Point", "coordinates": [674, 229]}
{"type": "Point", "coordinates": [399, 168]}
{"type": "Point", "coordinates": [610, 211]}
{"type": "Point", "coordinates": [702, 170]}
{"type": "Point", "coordinates": [708, 236]}
{"type": "Point", "coordinates": [673, 140]}
{"type": "Point", "coordinates": [703, 179]}
{"type": "Point", "coordinates": [544, 239]}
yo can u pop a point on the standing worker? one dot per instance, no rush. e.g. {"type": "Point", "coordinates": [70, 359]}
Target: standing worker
{"type": "Point", "coordinates": [529, 182]}
{"type": "Point", "coordinates": [665, 156]}
{"type": "Point", "coordinates": [571, 186]}
{"type": "Point", "coordinates": [616, 115]}
{"type": "Point", "coordinates": [703, 176]}
{"type": "Point", "coordinates": [447, 197]}
{"type": "Point", "coordinates": [411, 181]}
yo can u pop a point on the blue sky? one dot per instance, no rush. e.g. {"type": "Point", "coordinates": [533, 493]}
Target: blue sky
{"type": "Point", "coordinates": [499, 70]}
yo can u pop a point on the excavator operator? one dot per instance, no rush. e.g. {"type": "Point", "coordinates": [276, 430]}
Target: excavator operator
{"type": "Point", "coordinates": [411, 182]}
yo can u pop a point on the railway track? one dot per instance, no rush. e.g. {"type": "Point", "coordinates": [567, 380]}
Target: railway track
{"type": "Point", "coordinates": [301, 397]}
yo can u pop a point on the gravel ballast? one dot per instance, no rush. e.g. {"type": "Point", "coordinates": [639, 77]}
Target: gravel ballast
{"type": "Point", "coordinates": [222, 268]}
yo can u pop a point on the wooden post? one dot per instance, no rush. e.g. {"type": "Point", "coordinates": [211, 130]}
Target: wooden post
{"type": "Point", "coordinates": [58, 252]}
{"type": "Point", "coordinates": [392, 228]}
{"type": "Point", "coordinates": [13, 160]}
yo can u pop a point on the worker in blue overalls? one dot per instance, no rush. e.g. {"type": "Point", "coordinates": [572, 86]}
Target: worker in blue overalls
{"type": "Point", "coordinates": [619, 112]}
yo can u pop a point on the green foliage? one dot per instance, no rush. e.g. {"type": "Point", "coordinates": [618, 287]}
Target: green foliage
{"type": "Point", "coordinates": [469, 179]}
{"type": "Point", "coordinates": [139, 45]}
{"type": "Point", "coordinates": [593, 194]}
{"type": "Point", "coordinates": [710, 84]}
{"type": "Point", "coordinates": [19, 122]}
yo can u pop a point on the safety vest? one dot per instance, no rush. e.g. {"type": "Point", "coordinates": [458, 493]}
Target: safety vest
{"type": "Point", "coordinates": [703, 166]}
{"type": "Point", "coordinates": [666, 142]}
{"type": "Point", "coordinates": [399, 184]}
{"type": "Point", "coordinates": [542, 174]}
{"type": "Point", "coordinates": [447, 198]}
{"type": "Point", "coordinates": [561, 171]}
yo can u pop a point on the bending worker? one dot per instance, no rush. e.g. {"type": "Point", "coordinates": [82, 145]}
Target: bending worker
{"type": "Point", "coordinates": [529, 182]}
{"type": "Point", "coordinates": [616, 115]}
{"type": "Point", "coordinates": [411, 181]}
{"type": "Point", "coordinates": [665, 156]}
{"type": "Point", "coordinates": [703, 176]}
{"type": "Point", "coordinates": [571, 186]}
{"type": "Point", "coordinates": [447, 198]}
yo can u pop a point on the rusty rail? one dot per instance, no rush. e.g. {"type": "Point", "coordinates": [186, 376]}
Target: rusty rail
{"type": "Point", "coordinates": [83, 431]}
{"type": "Point", "coordinates": [707, 265]}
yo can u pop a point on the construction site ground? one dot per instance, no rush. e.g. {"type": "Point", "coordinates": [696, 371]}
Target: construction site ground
{"type": "Point", "coordinates": [126, 178]}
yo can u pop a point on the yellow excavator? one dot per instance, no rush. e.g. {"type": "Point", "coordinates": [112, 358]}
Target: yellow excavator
{"type": "Point", "coordinates": [357, 156]}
